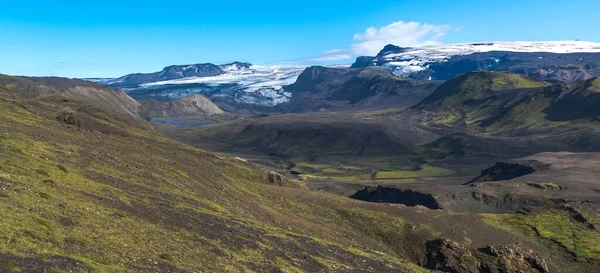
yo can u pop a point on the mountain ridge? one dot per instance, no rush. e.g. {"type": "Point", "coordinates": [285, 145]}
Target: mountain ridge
{"type": "Point", "coordinates": [553, 61]}
{"type": "Point", "coordinates": [169, 73]}
{"type": "Point", "coordinates": [47, 87]}
{"type": "Point", "coordinates": [334, 88]}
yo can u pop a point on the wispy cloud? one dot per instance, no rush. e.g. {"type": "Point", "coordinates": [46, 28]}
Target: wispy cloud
{"type": "Point", "coordinates": [333, 55]}
{"type": "Point", "coordinates": [400, 33]}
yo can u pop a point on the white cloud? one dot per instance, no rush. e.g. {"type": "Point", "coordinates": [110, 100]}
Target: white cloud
{"type": "Point", "coordinates": [400, 33]}
{"type": "Point", "coordinates": [333, 55]}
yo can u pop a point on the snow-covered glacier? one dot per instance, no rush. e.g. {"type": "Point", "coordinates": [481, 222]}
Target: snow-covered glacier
{"type": "Point", "coordinates": [252, 84]}
{"type": "Point", "coordinates": [444, 61]}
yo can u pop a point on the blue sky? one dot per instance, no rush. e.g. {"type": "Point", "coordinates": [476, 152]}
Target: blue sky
{"type": "Point", "coordinates": [112, 38]}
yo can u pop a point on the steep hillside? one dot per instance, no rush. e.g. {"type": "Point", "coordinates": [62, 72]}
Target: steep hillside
{"type": "Point", "coordinates": [557, 105]}
{"type": "Point", "coordinates": [53, 87]}
{"type": "Point", "coordinates": [83, 199]}
{"type": "Point", "coordinates": [192, 105]}
{"type": "Point", "coordinates": [338, 88]}
{"type": "Point", "coordinates": [582, 101]}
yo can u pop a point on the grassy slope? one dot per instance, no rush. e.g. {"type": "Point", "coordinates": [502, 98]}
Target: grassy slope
{"type": "Point", "coordinates": [121, 197]}
{"type": "Point", "coordinates": [554, 229]}
{"type": "Point", "coordinates": [96, 200]}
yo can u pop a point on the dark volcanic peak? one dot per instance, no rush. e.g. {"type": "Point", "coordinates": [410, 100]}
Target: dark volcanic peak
{"type": "Point", "coordinates": [389, 49]}
{"type": "Point", "coordinates": [551, 61]}
{"type": "Point", "coordinates": [235, 66]}
{"type": "Point", "coordinates": [172, 72]}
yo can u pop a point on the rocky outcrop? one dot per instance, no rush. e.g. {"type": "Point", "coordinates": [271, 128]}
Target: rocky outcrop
{"type": "Point", "coordinates": [512, 258]}
{"type": "Point", "coordinates": [579, 216]}
{"type": "Point", "coordinates": [277, 179]}
{"type": "Point", "coordinates": [449, 256]}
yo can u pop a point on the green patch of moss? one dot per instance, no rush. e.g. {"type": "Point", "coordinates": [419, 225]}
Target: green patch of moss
{"type": "Point", "coordinates": [545, 185]}
{"type": "Point", "coordinates": [424, 171]}
{"type": "Point", "coordinates": [553, 227]}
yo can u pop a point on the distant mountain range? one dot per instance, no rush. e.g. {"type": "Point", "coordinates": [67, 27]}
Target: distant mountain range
{"type": "Point", "coordinates": [550, 61]}
{"type": "Point", "coordinates": [409, 74]}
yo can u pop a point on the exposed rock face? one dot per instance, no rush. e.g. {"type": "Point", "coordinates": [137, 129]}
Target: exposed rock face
{"type": "Point", "coordinates": [482, 201]}
{"type": "Point", "coordinates": [192, 105]}
{"type": "Point", "coordinates": [472, 200]}
{"type": "Point", "coordinates": [382, 194]}
{"type": "Point", "coordinates": [504, 171]}
{"type": "Point", "coordinates": [449, 256]}
{"type": "Point", "coordinates": [280, 180]}
{"type": "Point", "coordinates": [170, 73]}
{"type": "Point", "coordinates": [579, 216]}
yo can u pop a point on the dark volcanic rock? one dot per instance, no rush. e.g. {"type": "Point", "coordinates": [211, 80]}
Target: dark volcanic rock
{"type": "Point", "coordinates": [503, 171]}
{"type": "Point", "coordinates": [449, 256]}
{"type": "Point", "coordinates": [363, 61]}
{"type": "Point", "coordinates": [382, 194]}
